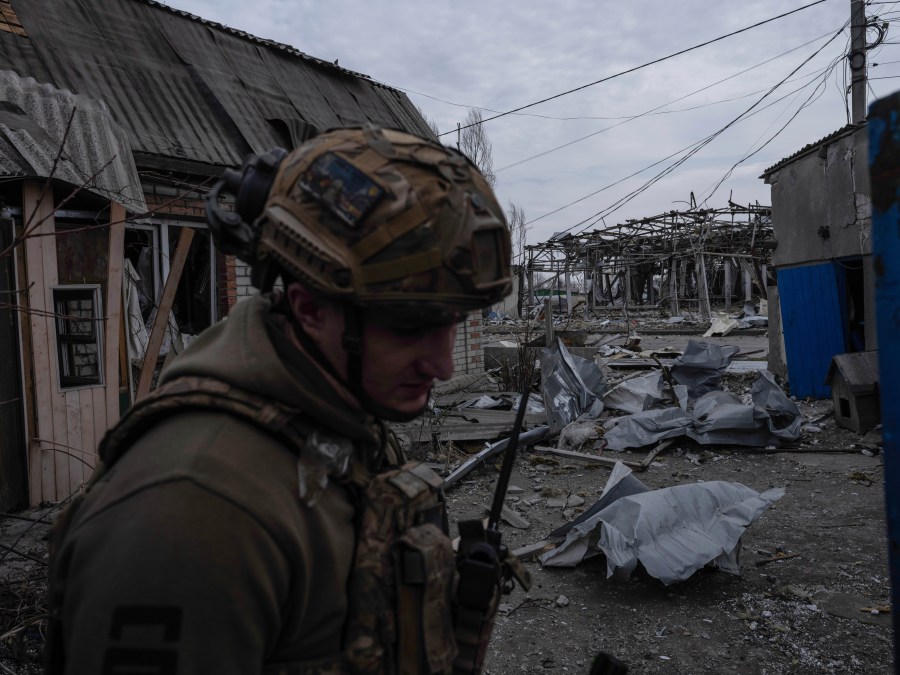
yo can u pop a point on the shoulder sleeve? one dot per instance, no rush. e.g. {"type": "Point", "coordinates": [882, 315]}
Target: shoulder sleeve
{"type": "Point", "coordinates": [175, 579]}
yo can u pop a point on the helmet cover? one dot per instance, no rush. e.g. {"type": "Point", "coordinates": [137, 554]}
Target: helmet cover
{"type": "Point", "coordinates": [386, 220]}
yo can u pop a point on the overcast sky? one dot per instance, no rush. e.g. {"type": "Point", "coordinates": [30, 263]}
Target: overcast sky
{"type": "Point", "coordinates": [502, 54]}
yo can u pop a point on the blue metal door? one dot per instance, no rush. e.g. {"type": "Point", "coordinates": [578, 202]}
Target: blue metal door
{"type": "Point", "coordinates": [812, 319]}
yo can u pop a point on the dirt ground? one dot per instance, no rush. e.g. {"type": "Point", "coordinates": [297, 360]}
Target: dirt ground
{"type": "Point", "coordinates": [822, 609]}
{"type": "Point", "coordinates": [770, 619]}
{"type": "Point", "coordinates": [811, 612]}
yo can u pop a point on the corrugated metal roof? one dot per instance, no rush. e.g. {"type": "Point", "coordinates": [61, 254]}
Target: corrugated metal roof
{"type": "Point", "coordinates": [189, 89]}
{"type": "Point", "coordinates": [95, 154]}
{"type": "Point", "coordinates": [252, 38]}
{"type": "Point", "coordinates": [812, 147]}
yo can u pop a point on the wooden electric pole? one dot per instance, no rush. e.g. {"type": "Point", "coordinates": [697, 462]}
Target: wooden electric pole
{"type": "Point", "coordinates": [857, 58]}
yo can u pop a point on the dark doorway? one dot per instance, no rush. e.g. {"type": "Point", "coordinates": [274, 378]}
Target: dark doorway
{"type": "Point", "coordinates": [13, 458]}
{"type": "Point", "coordinates": [850, 276]}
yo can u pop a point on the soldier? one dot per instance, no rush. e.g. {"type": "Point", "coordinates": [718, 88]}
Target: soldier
{"type": "Point", "coordinates": [255, 514]}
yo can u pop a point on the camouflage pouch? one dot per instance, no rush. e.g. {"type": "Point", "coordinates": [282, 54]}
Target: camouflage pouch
{"type": "Point", "coordinates": [426, 562]}
{"type": "Point", "coordinates": [399, 618]}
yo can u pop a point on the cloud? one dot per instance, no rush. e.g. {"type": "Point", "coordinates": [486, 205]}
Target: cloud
{"type": "Point", "coordinates": [504, 54]}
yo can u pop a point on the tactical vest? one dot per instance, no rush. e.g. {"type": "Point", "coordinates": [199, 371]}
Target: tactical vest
{"type": "Point", "coordinates": [399, 615]}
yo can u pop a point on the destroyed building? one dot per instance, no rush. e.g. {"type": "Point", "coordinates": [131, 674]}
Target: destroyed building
{"type": "Point", "coordinates": [823, 300]}
{"type": "Point", "coordinates": [116, 117]}
{"type": "Point", "coordinates": [680, 261]}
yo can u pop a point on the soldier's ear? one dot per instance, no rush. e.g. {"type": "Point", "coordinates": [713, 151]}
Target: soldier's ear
{"type": "Point", "coordinates": [307, 309]}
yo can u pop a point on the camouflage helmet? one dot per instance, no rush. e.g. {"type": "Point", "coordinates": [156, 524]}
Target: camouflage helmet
{"type": "Point", "coordinates": [383, 219]}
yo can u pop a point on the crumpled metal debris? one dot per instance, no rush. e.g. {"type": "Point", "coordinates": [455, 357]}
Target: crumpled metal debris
{"type": "Point", "coordinates": [507, 402]}
{"type": "Point", "coordinates": [644, 393]}
{"type": "Point", "coordinates": [721, 326]}
{"type": "Point", "coordinates": [672, 532]}
{"type": "Point", "coordinates": [570, 386]}
{"type": "Point", "coordinates": [701, 365]}
{"type": "Point", "coordinates": [717, 417]}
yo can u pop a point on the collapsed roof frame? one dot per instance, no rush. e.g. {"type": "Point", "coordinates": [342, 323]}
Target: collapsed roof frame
{"type": "Point", "coordinates": [673, 259]}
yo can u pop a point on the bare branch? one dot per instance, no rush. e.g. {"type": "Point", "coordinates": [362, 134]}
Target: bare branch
{"type": "Point", "coordinates": [476, 145]}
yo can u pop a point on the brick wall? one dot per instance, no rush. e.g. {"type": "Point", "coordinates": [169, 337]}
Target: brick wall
{"type": "Point", "coordinates": [165, 200]}
{"type": "Point", "coordinates": [468, 352]}
{"type": "Point", "coordinates": [226, 287]}
{"type": "Point", "coordinates": [242, 280]}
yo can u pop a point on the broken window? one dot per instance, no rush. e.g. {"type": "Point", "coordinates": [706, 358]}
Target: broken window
{"type": "Point", "coordinates": [78, 336]}
{"type": "Point", "coordinates": [149, 248]}
{"type": "Point", "coordinates": [195, 299]}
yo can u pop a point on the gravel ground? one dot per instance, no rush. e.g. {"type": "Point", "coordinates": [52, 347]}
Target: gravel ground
{"type": "Point", "coordinates": [803, 614]}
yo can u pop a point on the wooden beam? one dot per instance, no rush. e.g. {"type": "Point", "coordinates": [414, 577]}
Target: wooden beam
{"type": "Point", "coordinates": [114, 309]}
{"type": "Point", "coordinates": [606, 461]}
{"type": "Point", "coordinates": [37, 213]}
{"type": "Point", "coordinates": [176, 267]}
{"type": "Point", "coordinates": [648, 460]}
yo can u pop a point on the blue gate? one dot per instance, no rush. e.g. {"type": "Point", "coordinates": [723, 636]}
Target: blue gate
{"type": "Point", "coordinates": [812, 317]}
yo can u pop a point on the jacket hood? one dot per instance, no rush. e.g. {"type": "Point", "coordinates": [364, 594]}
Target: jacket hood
{"type": "Point", "coordinates": [241, 351]}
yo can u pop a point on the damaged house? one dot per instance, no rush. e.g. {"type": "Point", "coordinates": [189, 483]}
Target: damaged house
{"type": "Point", "coordinates": [825, 283]}
{"type": "Point", "coordinates": [116, 116]}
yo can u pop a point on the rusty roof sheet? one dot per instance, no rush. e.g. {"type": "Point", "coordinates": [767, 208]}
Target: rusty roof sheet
{"type": "Point", "coordinates": [194, 90]}
{"type": "Point", "coordinates": [812, 147]}
{"type": "Point", "coordinates": [94, 152]}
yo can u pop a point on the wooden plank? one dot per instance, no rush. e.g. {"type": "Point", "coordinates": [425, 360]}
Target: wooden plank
{"type": "Point", "coordinates": [648, 460]}
{"type": "Point", "coordinates": [510, 516]}
{"type": "Point", "coordinates": [75, 435]}
{"type": "Point", "coordinates": [470, 424]}
{"type": "Point", "coordinates": [28, 392]}
{"type": "Point", "coordinates": [59, 437]}
{"type": "Point", "coordinates": [113, 309]}
{"type": "Point", "coordinates": [606, 461]}
{"type": "Point", "coordinates": [176, 267]}
{"type": "Point", "coordinates": [40, 461]}
{"type": "Point", "coordinates": [531, 549]}
{"type": "Point", "coordinates": [88, 435]}
{"type": "Point", "coordinates": [99, 405]}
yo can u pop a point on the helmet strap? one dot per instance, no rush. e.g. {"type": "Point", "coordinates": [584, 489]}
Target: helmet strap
{"type": "Point", "coordinates": [352, 343]}
{"type": "Point", "coordinates": [351, 340]}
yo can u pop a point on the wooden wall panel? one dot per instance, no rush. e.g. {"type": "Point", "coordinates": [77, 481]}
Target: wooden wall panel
{"type": "Point", "coordinates": [35, 209]}
{"type": "Point", "coordinates": [101, 422]}
{"type": "Point", "coordinates": [59, 437]}
{"type": "Point", "coordinates": [68, 423]}
{"type": "Point", "coordinates": [88, 439]}
{"type": "Point", "coordinates": [74, 434]}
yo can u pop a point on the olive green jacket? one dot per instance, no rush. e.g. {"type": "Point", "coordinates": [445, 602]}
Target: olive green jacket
{"type": "Point", "coordinates": [195, 551]}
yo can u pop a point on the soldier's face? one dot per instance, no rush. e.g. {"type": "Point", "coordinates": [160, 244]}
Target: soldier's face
{"type": "Point", "coordinates": [399, 367]}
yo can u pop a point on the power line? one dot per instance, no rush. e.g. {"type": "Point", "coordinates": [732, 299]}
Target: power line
{"type": "Point", "coordinates": [636, 68]}
{"type": "Point", "coordinates": [692, 150]}
{"type": "Point", "coordinates": [657, 109]}
{"type": "Point", "coordinates": [715, 135]}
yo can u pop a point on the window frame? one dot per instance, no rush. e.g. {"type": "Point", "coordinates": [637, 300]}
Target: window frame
{"type": "Point", "coordinates": [68, 293]}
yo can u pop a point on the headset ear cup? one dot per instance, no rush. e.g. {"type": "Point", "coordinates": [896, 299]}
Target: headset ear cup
{"type": "Point", "coordinates": [236, 232]}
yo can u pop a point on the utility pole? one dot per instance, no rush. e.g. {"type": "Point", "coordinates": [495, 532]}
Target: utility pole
{"type": "Point", "coordinates": [857, 58]}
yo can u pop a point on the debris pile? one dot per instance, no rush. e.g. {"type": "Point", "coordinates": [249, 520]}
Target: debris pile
{"type": "Point", "coordinates": [672, 532]}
